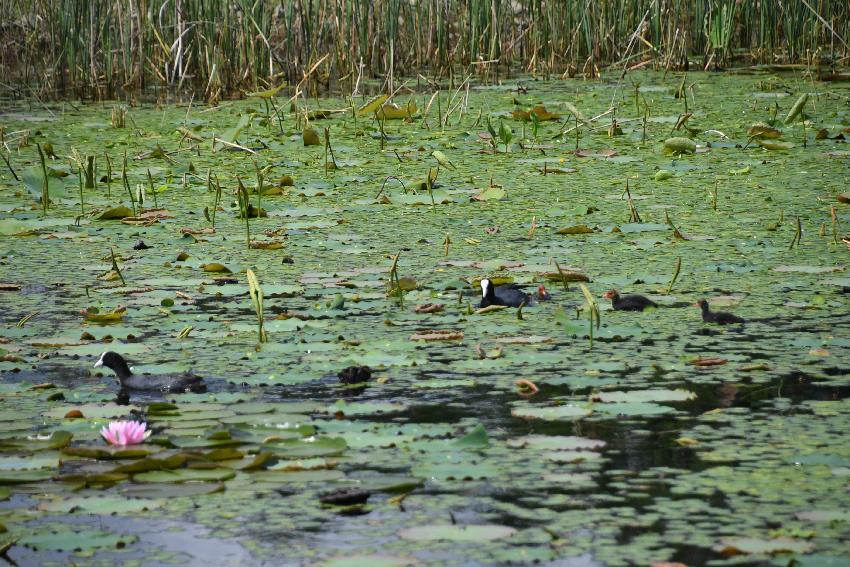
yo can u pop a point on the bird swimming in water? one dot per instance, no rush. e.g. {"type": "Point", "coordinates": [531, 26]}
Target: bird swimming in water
{"type": "Point", "coordinates": [185, 382]}
{"type": "Point", "coordinates": [719, 317]}
{"type": "Point", "coordinates": [632, 302]}
{"type": "Point", "coordinates": [509, 295]}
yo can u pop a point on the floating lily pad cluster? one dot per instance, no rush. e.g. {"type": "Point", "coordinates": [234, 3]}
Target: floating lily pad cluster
{"type": "Point", "coordinates": [482, 436]}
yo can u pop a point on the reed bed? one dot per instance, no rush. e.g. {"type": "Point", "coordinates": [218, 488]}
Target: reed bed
{"type": "Point", "coordinates": [108, 48]}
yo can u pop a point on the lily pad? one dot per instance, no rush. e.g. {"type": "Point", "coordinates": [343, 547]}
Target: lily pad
{"type": "Point", "coordinates": [100, 505]}
{"type": "Point", "coordinates": [656, 395]}
{"type": "Point", "coordinates": [66, 538]}
{"type": "Point", "coordinates": [749, 546]}
{"type": "Point", "coordinates": [185, 475]}
{"type": "Point", "coordinates": [551, 413]}
{"type": "Point", "coordinates": [374, 560]}
{"type": "Point", "coordinates": [460, 533]}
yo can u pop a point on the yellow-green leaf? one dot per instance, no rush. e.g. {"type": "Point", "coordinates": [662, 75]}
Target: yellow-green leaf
{"type": "Point", "coordinates": [372, 105]}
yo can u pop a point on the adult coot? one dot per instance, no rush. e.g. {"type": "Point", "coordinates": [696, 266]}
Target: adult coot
{"type": "Point", "coordinates": [719, 317]}
{"type": "Point", "coordinates": [161, 382]}
{"type": "Point", "coordinates": [509, 295]}
{"type": "Point", "coordinates": [630, 302]}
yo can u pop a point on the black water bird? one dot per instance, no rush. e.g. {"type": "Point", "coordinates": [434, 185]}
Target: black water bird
{"type": "Point", "coordinates": [631, 302]}
{"type": "Point", "coordinates": [184, 382]}
{"type": "Point", "coordinates": [719, 317]}
{"type": "Point", "coordinates": [509, 295]}
{"type": "Point", "coordinates": [354, 374]}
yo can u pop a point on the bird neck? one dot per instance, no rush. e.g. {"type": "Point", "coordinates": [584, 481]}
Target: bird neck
{"type": "Point", "coordinates": [122, 370]}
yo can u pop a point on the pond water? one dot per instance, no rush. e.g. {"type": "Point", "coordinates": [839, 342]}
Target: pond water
{"type": "Point", "coordinates": [661, 438]}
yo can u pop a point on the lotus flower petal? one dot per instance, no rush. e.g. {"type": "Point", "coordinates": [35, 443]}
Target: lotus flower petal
{"type": "Point", "coordinates": [124, 433]}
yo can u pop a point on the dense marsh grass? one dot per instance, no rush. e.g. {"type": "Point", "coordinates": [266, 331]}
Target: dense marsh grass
{"type": "Point", "coordinates": [108, 48]}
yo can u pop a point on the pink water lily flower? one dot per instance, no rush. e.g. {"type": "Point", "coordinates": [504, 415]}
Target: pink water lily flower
{"type": "Point", "coordinates": [124, 433]}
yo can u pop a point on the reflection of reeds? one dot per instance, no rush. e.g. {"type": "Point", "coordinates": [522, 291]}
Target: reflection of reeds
{"type": "Point", "coordinates": [101, 47]}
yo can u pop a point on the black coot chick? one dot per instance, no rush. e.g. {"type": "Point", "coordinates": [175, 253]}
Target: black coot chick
{"type": "Point", "coordinates": [186, 382]}
{"type": "Point", "coordinates": [542, 294]}
{"type": "Point", "coordinates": [509, 295]}
{"type": "Point", "coordinates": [354, 374]}
{"type": "Point", "coordinates": [632, 302]}
{"type": "Point", "coordinates": [719, 317]}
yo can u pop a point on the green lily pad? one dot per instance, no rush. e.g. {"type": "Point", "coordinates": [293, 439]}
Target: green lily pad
{"type": "Point", "coordinates": [565, 412]}
{"type": "Point", "coordinates": [655, 395]}
{"type": "Point", "coordinates": [751, 545]}
{"type": "Point", "coordinates": [366, 408]}
{"type": "Point", "coordinates": [99, 505]}
{"type": "Point", "coordinates": [459, 533]}
{"type": "Point", "coordinates": [167, 491]}
{"type": "Point", "coordinates": [630, 409]}
{"type": "Point", "coordinates": [66, 538]}
{"type": "Point", "coordinates": [555, 443]}
{"type": "Point", "coordinates": [475, 439]}
{"type": "Point", "coordinates": [307, 447]}
{"type": "Point", "coordinates": [29, 462]}
{"type": "Point", "coordinates": [20, 477]}
{"type": "Point", "coordinates": [56, 440]}
{"type": "Point", "coordinates": [374, 560]}
{"type": "Point", "coordinates": [185, 475]}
